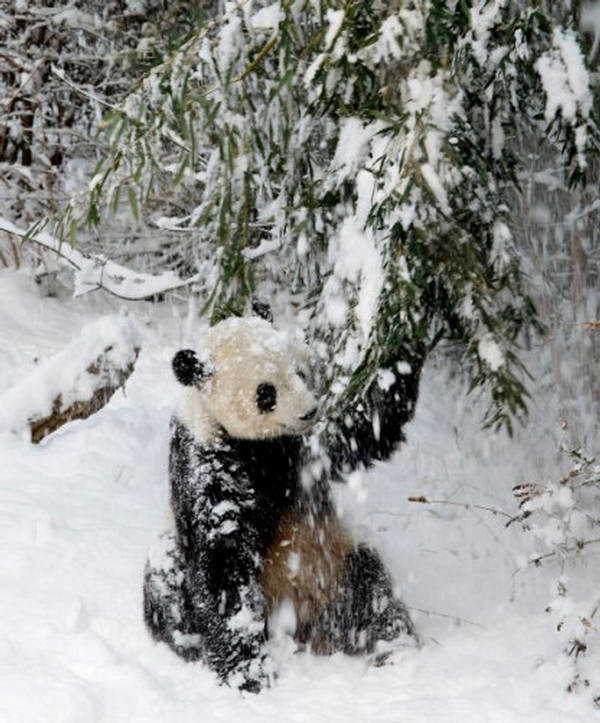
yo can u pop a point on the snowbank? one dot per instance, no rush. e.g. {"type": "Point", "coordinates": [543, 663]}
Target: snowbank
{"type": "Point", "coordinates": [78, 513]}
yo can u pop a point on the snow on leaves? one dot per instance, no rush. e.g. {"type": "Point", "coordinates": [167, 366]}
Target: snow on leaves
{"type": "Point", "coordinates": [360, 156]}
{"type": "Point", "coordinates": [566, 82]}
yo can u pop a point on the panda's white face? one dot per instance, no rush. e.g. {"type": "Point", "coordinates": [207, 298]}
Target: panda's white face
{"type": "Point", "coordinates": [252, 384]}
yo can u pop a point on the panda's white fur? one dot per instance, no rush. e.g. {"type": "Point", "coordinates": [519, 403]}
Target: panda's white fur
{"type": "Point", "coordinates": [241, 354]}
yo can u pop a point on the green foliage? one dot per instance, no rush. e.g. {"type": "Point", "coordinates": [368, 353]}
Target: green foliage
{"type": "Point", "coordinates": [358, 155]}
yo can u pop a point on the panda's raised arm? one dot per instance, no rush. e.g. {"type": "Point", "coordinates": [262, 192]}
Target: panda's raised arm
{"type": "Point", "coordinates": [373, 429]}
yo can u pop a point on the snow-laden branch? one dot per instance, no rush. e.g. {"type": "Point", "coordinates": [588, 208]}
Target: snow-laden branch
{"type": "Point", "coordinates": [96, 272]}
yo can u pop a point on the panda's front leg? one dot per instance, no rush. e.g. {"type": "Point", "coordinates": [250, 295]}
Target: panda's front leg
{"type": "Point", "coordinates": [227, 575]}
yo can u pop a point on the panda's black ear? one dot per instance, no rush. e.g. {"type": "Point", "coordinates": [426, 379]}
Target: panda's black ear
{"type": "Point", "coordinates": [188, 369]}
{"type": "Point", "coordinates": [262, 309]}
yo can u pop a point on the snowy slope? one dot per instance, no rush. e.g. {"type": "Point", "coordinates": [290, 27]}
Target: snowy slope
{"type": "Point", "coordinates": [78, 512]}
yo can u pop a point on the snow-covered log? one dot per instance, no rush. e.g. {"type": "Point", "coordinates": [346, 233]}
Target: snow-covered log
{"type": "Point", "coordinates": [94, 272]}
{"type": "Point", "coordinates": [75, 382]}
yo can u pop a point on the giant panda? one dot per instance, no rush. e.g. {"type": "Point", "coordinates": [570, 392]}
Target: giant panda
{"type": "Point", "coordinates": [253, 531]}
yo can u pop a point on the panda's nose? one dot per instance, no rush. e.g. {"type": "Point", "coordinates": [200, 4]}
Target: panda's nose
{"type": "Point", "coordinates": [309, 415]}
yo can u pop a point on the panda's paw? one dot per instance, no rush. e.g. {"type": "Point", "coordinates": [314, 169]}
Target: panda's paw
{"type": "Point", "coordinates": [378, 660]}
{"type": "Point", "coordinates": [386, 652]}
{"type": "Point", "coordinates": [250, 686]}
{"type": "Point", "coordinates": [256, 676]}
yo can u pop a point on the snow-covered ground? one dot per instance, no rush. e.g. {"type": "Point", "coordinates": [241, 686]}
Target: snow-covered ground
{"type": "Point", "coordinates": [78, 511]}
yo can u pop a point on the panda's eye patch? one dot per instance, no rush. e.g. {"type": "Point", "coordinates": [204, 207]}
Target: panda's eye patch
{"type": "Point", "coordinates": [266, 397]}
{"type": "Point", "coordinates": [301, 374]}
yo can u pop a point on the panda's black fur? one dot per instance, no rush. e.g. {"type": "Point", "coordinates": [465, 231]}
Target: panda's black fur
{"type": "Point", "coordinates": [211, 584]}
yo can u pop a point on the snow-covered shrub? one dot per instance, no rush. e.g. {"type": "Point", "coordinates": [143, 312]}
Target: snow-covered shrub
{"type": "Point", "coordinates": [564, 518]}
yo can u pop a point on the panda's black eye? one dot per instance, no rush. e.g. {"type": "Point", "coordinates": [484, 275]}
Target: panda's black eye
{"type": "Point", "coordinates": [266, 397]}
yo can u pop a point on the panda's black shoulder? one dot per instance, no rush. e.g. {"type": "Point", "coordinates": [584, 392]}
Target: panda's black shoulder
{"type": "Point", "coordinates": [273, 465]}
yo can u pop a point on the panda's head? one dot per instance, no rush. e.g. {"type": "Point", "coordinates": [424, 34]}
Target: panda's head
{"type": "Point", "coordinates": [248, 380]}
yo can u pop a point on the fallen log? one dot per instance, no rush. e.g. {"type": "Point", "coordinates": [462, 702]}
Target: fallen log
{"type": "Point", "coordinates": [74, 383]}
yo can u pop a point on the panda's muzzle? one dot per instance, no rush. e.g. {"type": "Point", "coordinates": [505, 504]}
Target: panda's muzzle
{"type": "Point", "coordinates": [309, 415]}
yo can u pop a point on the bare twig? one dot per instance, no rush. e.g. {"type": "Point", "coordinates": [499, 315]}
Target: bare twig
{"type": "Point", "coordinates": [589, 324]}
{"type": "Point", "coordinates": [575, 548]}
{"type": "Point", "coordinates": [61, 75]}
{"type": "Point", "coordinates": [465, 505]}
{"type": "Point", "coordinates": [454, 618]}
